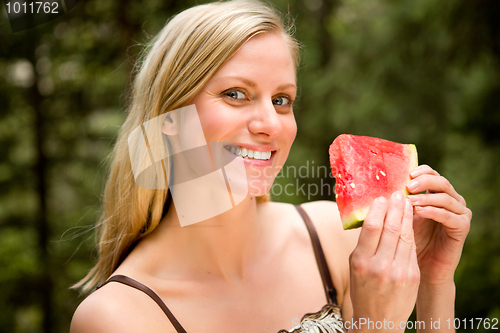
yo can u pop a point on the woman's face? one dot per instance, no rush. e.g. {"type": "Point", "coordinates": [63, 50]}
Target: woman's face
{"type": "Point", "coordinates": [248, 104]}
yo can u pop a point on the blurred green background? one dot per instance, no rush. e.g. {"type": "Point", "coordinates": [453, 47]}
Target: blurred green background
{"type": "Point", "coordinates": [423, 72]}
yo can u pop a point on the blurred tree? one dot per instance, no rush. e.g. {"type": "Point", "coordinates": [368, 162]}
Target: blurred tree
{"type": "Point", "coordinates": [56, 129]}
{"type": "Point", "coordinates": [421, 72]}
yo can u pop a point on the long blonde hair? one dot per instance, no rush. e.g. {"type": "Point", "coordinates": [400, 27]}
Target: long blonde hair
{"type": "Point", "coordinates": [177, 63]}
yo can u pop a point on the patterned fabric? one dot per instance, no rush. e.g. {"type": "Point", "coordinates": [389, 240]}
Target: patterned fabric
{"type": "Point", "coordinates": [327, 320]}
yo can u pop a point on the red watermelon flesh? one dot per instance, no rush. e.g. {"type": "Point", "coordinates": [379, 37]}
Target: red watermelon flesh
{"type": "Point", "coordinates": [366, 168]}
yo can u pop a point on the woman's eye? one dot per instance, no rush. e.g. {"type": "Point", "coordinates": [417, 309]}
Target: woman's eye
{"type": "Point", "coordinates": [235, 94]}
{"type": "Point", "coordinates": [282, 101]}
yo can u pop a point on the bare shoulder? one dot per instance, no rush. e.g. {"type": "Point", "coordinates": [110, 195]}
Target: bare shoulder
{"type": "Point", "coordinates": [119, 308]}
{"type": "Point", "coordinates": [326, 218]}
{"type": "Point", "coordinates": [337, 243]}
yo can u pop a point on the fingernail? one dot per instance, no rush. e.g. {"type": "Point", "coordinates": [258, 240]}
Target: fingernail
{"type": "Point", "coordinates": [398, 195]}
{"type": "Point", "coordinates": [382, 199]}
{"type": "Point", "coordinates": [412, 185]}
{"type": "Point", "coordinates": [414, 173]}
{"type": "Point", "coordinates": [413, 198]}
{"type": "Point", "coordinates": [419, 208]}
{"type": "Point", "coordinates": [408, 204]}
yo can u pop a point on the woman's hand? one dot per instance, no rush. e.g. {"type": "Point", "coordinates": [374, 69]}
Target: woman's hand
{"type": "Point", "coordinates": [441, 223]}
{"type": "Point", "coordinates": [384, 269]}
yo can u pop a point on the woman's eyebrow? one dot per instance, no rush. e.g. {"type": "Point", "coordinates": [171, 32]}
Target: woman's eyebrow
{"type": "Point", "coordinates": [252, 84]}
{"type": "Point", "coordinates": [287, 85]}
{"type": "Point", "coordinates": [245, 81]}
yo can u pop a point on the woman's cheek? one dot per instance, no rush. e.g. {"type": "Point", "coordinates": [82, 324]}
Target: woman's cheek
{"type": "Point", "coordinates": [290, 127]}
{"type": "Point", "coordinates": [290, 132]}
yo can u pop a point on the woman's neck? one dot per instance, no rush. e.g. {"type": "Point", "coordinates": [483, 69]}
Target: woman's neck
{"type": "Point", "coordinates": [221, 247]}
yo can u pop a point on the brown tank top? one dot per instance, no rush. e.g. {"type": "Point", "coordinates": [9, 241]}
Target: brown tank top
{"type": "Point", "coordinates": [327, 320]}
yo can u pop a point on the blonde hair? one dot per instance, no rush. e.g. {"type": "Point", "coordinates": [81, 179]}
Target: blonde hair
{"type": "Point", "coordinates": [177, 63]}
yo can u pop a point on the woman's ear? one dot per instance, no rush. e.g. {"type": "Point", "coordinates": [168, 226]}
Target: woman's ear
{"type": "Point", "coordinates": [169, 126]}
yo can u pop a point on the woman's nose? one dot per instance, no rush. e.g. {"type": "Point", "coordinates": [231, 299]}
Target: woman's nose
{"type": "Point", "coordinates": [265, 121]}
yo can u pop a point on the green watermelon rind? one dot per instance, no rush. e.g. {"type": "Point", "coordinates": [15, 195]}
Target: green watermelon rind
{"type": "Point", "coordinates": [355, 219]}
{"type": "Point", "coordinates": [358, 216]}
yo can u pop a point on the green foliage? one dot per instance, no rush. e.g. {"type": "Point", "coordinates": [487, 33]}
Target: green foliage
{"type": "Point", "coordinates": [418, 72]}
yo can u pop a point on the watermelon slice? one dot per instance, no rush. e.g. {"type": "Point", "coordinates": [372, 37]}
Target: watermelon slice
{"type": "Point", "coordinates": [366, 168]}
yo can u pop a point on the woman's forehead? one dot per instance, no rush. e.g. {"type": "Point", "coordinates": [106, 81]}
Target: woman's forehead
{"type": "Point", "coordinates": [264, 55]}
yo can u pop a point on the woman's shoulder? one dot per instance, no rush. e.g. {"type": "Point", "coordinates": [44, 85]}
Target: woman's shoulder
{"type": "Point", "coordinates": [325, 217]}
{"type": "Point", "coordinates": [336, 242]}
{"type": "Point", "coordinates": [119, 308]}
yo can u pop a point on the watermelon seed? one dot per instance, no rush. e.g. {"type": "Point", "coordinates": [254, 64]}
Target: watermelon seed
{"type": "Point", "coordinates": [352, 185]}
{"type": "Point", "coordinates": [383, 173]}
{"type": "Point", "coordinates": [378, 178]}
{"type": "Point", "coordinates": [340, 176]}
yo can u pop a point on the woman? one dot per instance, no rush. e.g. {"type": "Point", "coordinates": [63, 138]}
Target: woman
{"type": "Point", "coordinates": [254, 267]}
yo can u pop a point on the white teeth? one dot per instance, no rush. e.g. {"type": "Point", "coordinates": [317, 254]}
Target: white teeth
{"type": "Point", "coordinates": [247, 153]}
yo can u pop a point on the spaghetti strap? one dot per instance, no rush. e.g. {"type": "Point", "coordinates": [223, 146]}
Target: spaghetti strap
{"type": "Point", "coordinates": [331, 293]}
{"type": "Point", "coordinates": [137, 285]}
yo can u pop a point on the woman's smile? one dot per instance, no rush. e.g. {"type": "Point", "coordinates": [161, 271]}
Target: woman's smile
{"type": "Point", "coordinates": [249, 154]}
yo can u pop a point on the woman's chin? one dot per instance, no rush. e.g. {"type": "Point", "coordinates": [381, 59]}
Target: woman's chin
{"type": "Point", "coordinates": [258, 188]}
